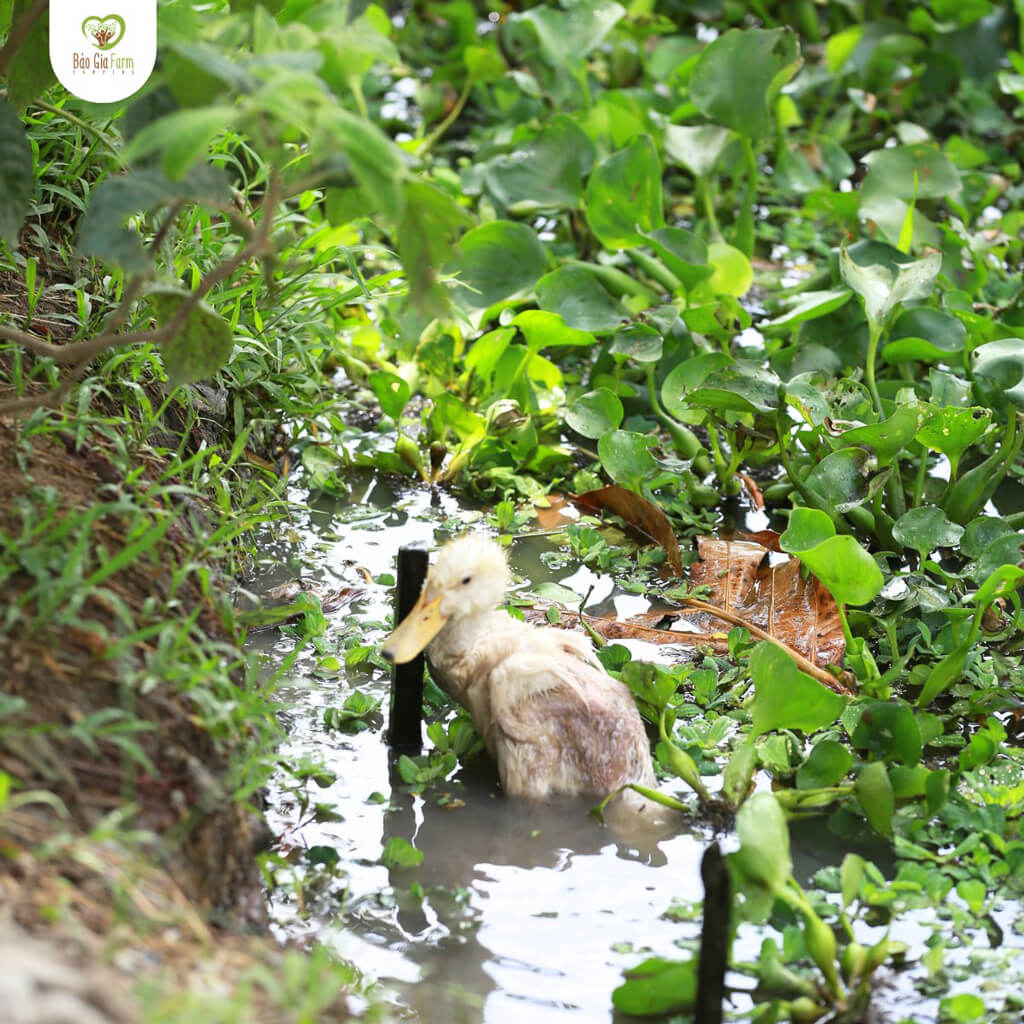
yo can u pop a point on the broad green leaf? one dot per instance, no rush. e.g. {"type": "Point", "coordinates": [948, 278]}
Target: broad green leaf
{"type": "Point", "coordinates": [567, 36]}
{"type": "Point", "coordinates": [944, 674]}
{"type": "Point", "coordinates": [785, 697]}
{"type": "Point", "coordinates": [392, 391]}
{"type": "Point", "coordinates": [964, 1007]}
{"type": "Point", "coordinates": [841, 478]}
{"type": "Point", "coordinates": [840, 46]}
{"type": "Point", "coordinates": [826, 765]}
{"type": "Point", "coordinates": [30, 72]}
{"type": "Point", "coordinates": [952, 431]}
{"type": "Point", "coordinates": [103, 234]}
{"type": "Point", "coordinates": [739, 76]}
{"type": "Point", "coordinates": [543, 172]}
{"type": "Point", "coordinates": [496, 261]}
{"type": "Point", "coordinates": [485, 352]}
{"type": "Point", "coordinates": [688, 375]}
{"type": "Point", "coordinates": [682, 252]}
{"type": "Point", "coordinates": [546, 330]}
{"type": "Point", "coordinates": [920, 171]}
{"type": "Point", "coordinates": [807, 528]}
{"type": "Point", "coordinates": [16, 179]}
{"type": "Point", "coordinates": [201, 347]}
{"type": "Point", "coordinates": [657, 987]}
{"type": "Point", "coordinates": [763, 856]}
{"type": "Point", "coordinates": [926, 528]}
{"type": "Point", "coordinates": [637, 341]}
{"type": "Point", "coordinates": [888, 438]}
{"type": "Point", "coordinates": [885, 285]}
{"type": "Point", "coordinates": [926, 335]}
{"type": "Point", "coordinates": [851, 875]}
{"type": "Point", "coordinates": [811, 306]}
{"type": "Point", "coordinates": [323, 464]}
{"type": "Point", "coordinates": [377, 163]}
{"type": "Point", "coordinates": [623, 197]}
{"type": "Point", "coordinates": [181, 138]}
{"type": "Point", "coordinates": [998, 366]}
{"type": "Point", "coordinates": [576, 295]}
{"type": "Point", "coordinates": [888, 731]}
{"type": "Point", "coordinates": [626, 458]}
{"type": "Point", "coordinates": [739, 772]}
{"type": "Point", "coordinates": [874, 794]}
{"type": "Point", "coordinates": [742, 387]}
{"type": "Point", "coordinates": [731, 272]}
{"type": "Point", "coordinates": [429, 223]}
{"type": "Point", "coordinates": [1003, 582]}
{"type": "Point", "coordinates": [595, 413]}
{"type": "Point", "coordinates": [484, 63]}
{"type": "Point", "coordinates": [400, 853]}
{"type": "Point", "coordinates": [851, 575]}
{"type": "Point", "coordinates": [697, 147]}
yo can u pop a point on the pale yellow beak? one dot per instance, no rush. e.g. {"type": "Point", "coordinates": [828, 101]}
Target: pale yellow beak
{"type": "Point", "coordinates": [415, 631]}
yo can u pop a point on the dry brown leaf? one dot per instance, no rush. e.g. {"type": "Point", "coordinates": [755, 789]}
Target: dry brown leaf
{"type": "Point", "coordinates": [643, 515]}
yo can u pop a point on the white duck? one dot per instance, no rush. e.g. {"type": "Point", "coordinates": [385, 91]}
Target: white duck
{"type": "Point", "coordinates": [549, 714]}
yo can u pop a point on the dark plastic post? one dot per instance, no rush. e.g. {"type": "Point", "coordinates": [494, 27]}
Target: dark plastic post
{"type": "Point", "coordinates": [404, 728]}
{"type": "Point", "coordinates": [714, 937]}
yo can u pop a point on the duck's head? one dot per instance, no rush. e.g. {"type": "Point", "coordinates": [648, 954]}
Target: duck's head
{"type": "Point", "coordinates": [468, 579]}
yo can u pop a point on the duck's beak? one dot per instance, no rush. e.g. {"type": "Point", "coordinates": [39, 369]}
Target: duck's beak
{"type": "Point", "coordinates": [415, 631]}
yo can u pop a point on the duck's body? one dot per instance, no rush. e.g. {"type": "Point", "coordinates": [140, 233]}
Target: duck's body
{"type": "Point", "coordinates": [554, 721]}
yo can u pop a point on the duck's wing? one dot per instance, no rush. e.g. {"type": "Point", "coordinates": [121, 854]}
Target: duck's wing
{"type": "Point", "coordinates": [562, 725]}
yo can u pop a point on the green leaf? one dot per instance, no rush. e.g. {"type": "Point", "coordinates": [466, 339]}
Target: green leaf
{"type": "Point", "coordinates": [926, 528]}
{"type": "Point", "coordinates": [926, 335]}
{"type": "Point", "coordinates": [656, 987]}
{"type": "Point", "coordinates": [763, 856]}
{"type": "Point", "coordinates": [785, 697]}
{"type": "Point", "coordinates": [888, 731]}
{"type": "Point", "coordinates": [731, 272]}
{"type": "Point", "coordinates": [807, 528]}
{"type": "Point", "coordinates": [429, 223]}
{"type": "Point", "coordinates": [200, 348]}
{"type": "Point", "coordinates": [697, 147]}
{"type": "Point", "coordinates": [963, 1008]}
{"type": "Point", "coordinates": [483, 63]}
{"type": "Point", "coordinates": [739, 76]}
{"type": "Point", "coordinates": [576, 295]}
{"type": "Point", "coordinates": [393, 392]}
{"type": "Point", "coordinates": [841, 478]}
{"type": "Point", "coordinates": [548, 330]}
{"type": "Point", "coordinates": [544, 172]}
{"type": "Point", "coordinates": [742, 387]}
{"type": "Point", "coordinates": [640, 342]}
{"type": "Point", "coordinates": [16, 176]}
{"type": "Point", "coordinates": [684, 253]}
{"type": "Point", "coordinates": [827, 764]}
{"type": "Point", "coordinates": [567, 37]}
{"type": "Point", "coordinates": [811, 306]}
{"type": "Point", "coordinates": [952, 431]}
{"type": "Point", "coordinates": [595, 413]}
{"type": "Point", "coordinates": [623, 197]}
{"type": "Point", "coordinates": [1003, 582]}
{"type": "Point", "coordinates": [496, 261]}
{"type": "Point", "coordinates": [377, 163]}
{"type": "Point", "coordinates": [875, 796]}
{"type": "Point", "coordinates": [626, 458]}
{"type": "Point", "coordinates": [998, 367]}
{"type": "Point", "coordinates": [103, 234]}
{"type": "Point", "coordinates": [851, 575]}
{"type": "Point", "coordinates": [884, 277]}
{"type": "Point", "coordinates": [851, 876]}
{"type": "Point", "coordinates": [888, 438]}
{"type": "Point", "coordinates": [30, 72]}
{"type": "Point", "coordinates": [400, 853]}
{"type": "Point", "coordinates": [182, 138]}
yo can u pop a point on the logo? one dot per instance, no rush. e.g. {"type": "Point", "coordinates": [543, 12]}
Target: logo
{"type": "Point", "coordinates": [104, 33]}
{"type": "Point", "coordinates": [104, 57]}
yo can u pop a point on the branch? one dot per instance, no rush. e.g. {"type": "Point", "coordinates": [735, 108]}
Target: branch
{"type": "Point", "coordinates": [804, 664]}
{"type": "Point", "coordinates": [82, 353]}
{"type": "Point", "coordinates": [18, 33]}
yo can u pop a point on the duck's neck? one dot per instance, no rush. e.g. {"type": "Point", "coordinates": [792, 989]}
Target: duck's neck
{"type": "Point", "coordinates": [463, 655]}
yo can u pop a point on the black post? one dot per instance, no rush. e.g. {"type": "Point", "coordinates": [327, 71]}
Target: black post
{"type": "Point", "coordinates": [714, 937]}
{"type": "Point", "coordinates": [407, 680]}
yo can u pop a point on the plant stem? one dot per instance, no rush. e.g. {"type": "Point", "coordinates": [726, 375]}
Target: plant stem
{"type": "Point", "coordinates": [874, 336]}
{"type": "Point", "coordinates": [450, 118]}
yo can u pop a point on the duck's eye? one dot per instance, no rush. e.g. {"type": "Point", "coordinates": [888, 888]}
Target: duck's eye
{"type": "Point", "coordinates": [466, 579]}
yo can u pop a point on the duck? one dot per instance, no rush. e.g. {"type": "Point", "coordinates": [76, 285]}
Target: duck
{"type": "Point", "coordinates": [549, 714]}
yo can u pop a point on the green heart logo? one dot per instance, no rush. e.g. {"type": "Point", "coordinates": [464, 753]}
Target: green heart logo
{"type": "Point", "coordinates": [103, 33]}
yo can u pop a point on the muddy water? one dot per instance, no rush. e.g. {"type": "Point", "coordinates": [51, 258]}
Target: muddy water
{"type": "Point", "coordinates": [518, 912]}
